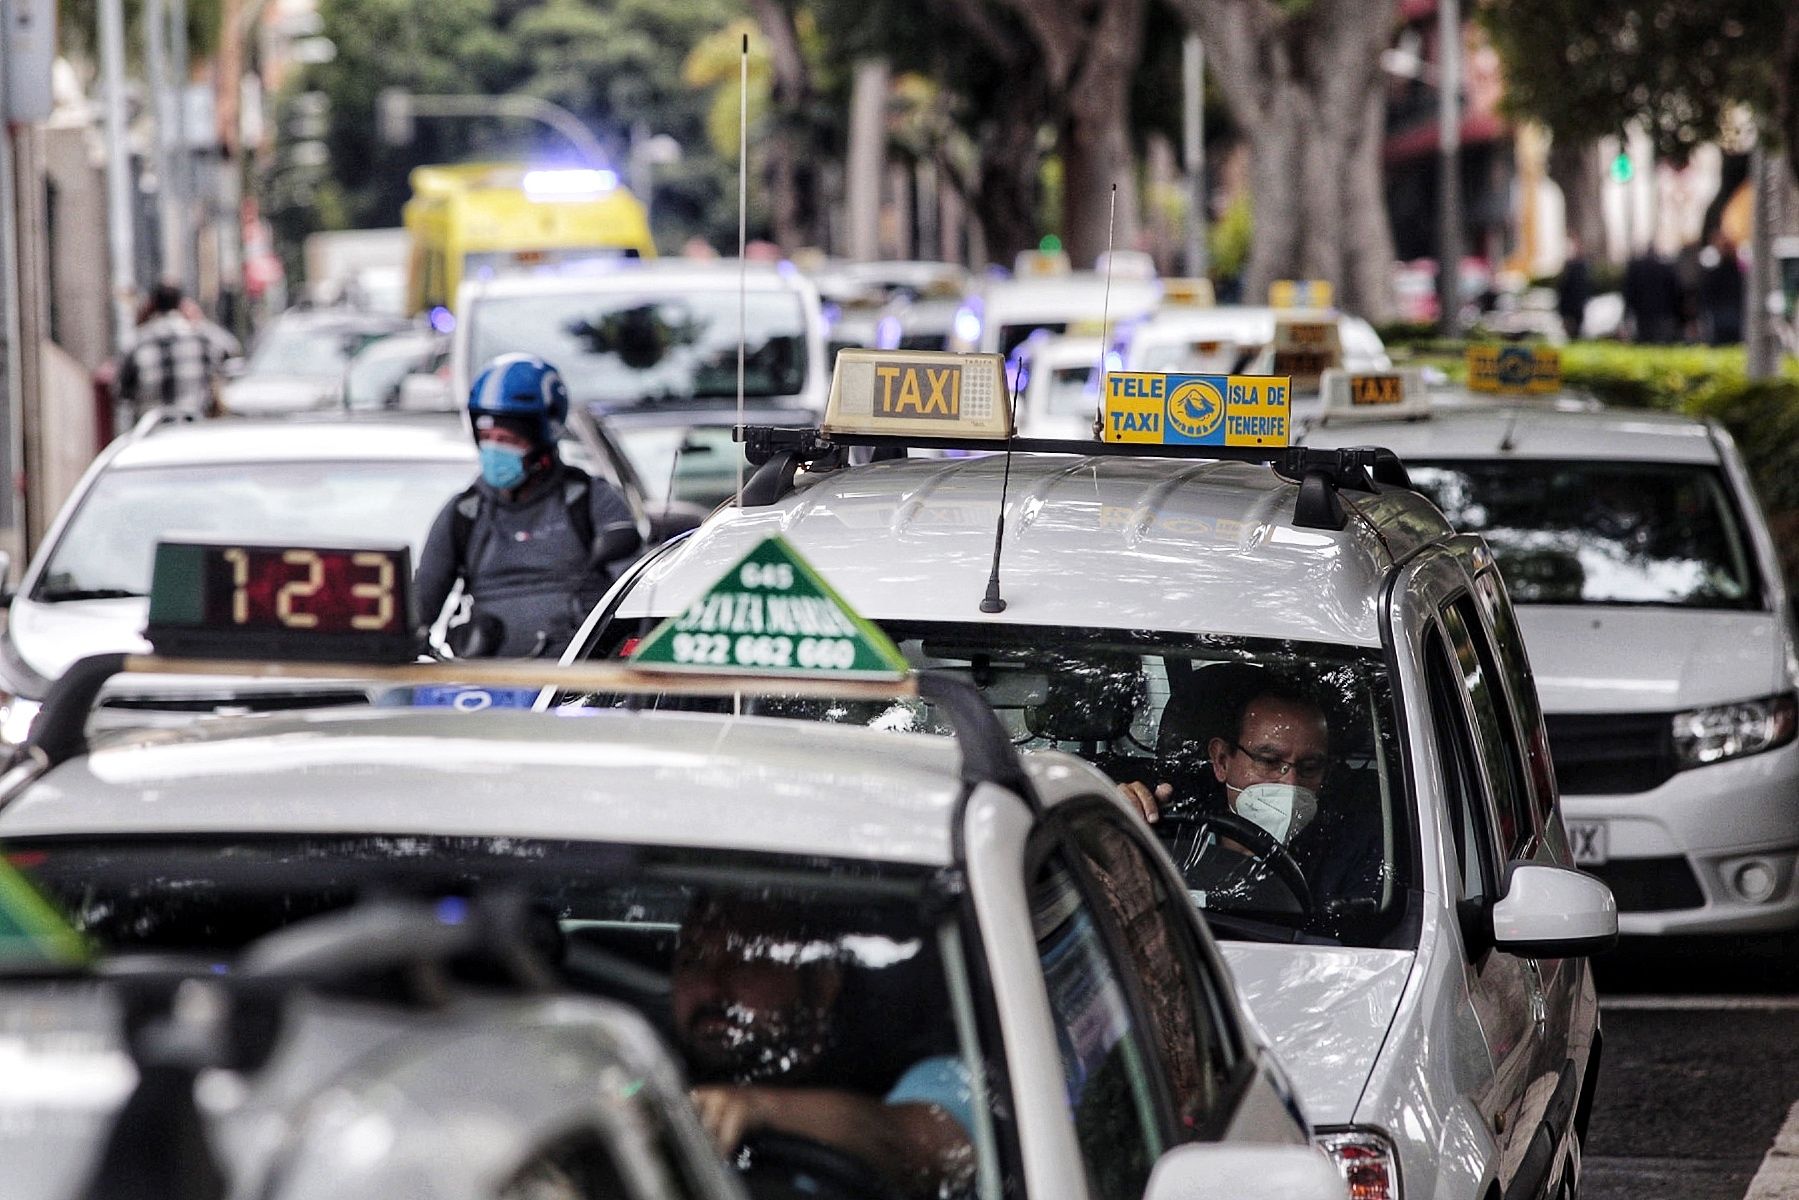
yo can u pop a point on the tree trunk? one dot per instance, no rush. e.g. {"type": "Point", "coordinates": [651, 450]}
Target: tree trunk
{"type": "Point", "coordinates": [1574, 168]}
{"type": "Point", "coordinates": [1786, 87]}
{"type": "Point", "coordinates": [1306, 90]}
{"type": "Point", "coordinates": [1005, 198]}
{"type": "Point", "coordinates": [791, 100]}
{"type": "Point", "coordinates": [1096, 139]}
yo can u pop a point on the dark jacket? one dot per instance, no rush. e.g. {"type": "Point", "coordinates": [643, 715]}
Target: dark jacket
{"type": "Point", "coordinates": [526, 562]}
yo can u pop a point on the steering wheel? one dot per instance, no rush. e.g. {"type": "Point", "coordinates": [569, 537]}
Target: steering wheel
{"type": "Point", "coordinates": [1263, 847]}
{"type": "Point", "coordinates": [785, 1166]}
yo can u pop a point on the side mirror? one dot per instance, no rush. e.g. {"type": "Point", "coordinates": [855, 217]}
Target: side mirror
{"type": "Point", "coordinates": [1554, 912]}
{"type": "Point", "coordinates": [425, 393]}
{"type": "Point", "coordinates": [1244, 1172]}
{"type": "Point", "coordinates": [615, 542]}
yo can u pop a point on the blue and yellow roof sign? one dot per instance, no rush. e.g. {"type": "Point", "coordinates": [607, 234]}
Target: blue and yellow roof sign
{"type": "Point", "coordinates": [1515, 369]}
{"type": "Point", "coordinates": [1197, 410]}
{"type": "Point", "coordinates": [1300, 293]}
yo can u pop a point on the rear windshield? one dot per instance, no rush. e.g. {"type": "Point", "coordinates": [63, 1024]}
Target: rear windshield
{"type": "Point", "coordinates": [1193, 718]}
{"type": "Point", "coordinates": [1602, 532]}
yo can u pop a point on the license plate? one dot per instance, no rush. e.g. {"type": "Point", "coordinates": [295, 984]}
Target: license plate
{"type": "Point", "coordinates": [1588, 840]}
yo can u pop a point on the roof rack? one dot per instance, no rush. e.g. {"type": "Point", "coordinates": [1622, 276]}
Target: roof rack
{"type": "Point", "coordinates": [778, 453]}
{"type": "Point", "coordinates": [988, 755]}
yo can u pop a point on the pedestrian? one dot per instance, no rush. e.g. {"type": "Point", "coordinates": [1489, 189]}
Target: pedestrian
{"type": "Point", "coordinates": [533, 539]}
{"type": "Point", "coordinates": [1574, 288]}
{"type": "Point", "coordinates": [1652, 298]}
{"type": "Point", "coordinates": [1720, 293]}
{"type": "Point", "coordinates": [172, 361]}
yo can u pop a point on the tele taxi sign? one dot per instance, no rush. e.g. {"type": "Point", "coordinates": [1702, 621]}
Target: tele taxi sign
{"type": "Point", "coordinates": [920, 393]}
{"type": "Point", "coordinates": [1300, 293]}
{"type": "Point", "coordinates": [1517, 370]}
{"type": "Point", "coordinates": [771, 614]}
{"type": "Point", "coordinates": [1197, 410]}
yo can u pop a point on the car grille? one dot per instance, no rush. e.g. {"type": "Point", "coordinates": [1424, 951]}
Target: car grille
{"type": "Point", "coordinates": [1611, 753]}
{"type": "Point", "coordinates": [250, 702]}
{"type": "Point", "coordinates": [1650, 884]}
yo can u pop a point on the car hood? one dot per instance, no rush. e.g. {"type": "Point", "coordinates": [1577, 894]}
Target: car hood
{"type": "Point", "coordinates": [279, 393]}
{"type": "Point", "coordinates": [1326, 1011]}
{"type": "Point", "coordinates": [52, 637]}
{"type": "Point", "coordinates": [1607, 658]}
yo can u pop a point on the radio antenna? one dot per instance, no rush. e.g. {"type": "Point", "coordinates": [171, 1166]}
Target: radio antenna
{"type": "Point", "coordinates": [743, 234]}
{"type": "Point", "coordinates": [993, 602]}
{"type": "Point", "coordinates": [1105, 319]}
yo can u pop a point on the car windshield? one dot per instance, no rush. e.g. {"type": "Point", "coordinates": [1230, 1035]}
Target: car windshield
{"type": "Point", "coordinates": [623, 347]}
{"type": "Point", "coordinates": [1069, 392]}
{"type": "Point", "coordinates": [776, 970]}
{"type": "Point", "coordinates": [699, 461]}
{"type": "Point", "coordinates": [106, 549]}
{"type": "Point", "coordinates": [375, 374]}
{"type": "Point", "coordinates": [1208, 722]}
{"type": "Point", "coordinates": [1601, 532]}
{"type": "Point", "coordinates": [318, 352]}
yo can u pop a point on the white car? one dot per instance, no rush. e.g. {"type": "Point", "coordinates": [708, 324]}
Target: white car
{"type": "Point", "coordinates": [641, 333]}
{"type": "Point", "coordinates": [1419, 959]}
{"type": "Point", "coordinates": [1651, 596]}
{"type": "Point", "coordinates": [1232, 338]}
{"type": "Point", "coordinates": [1060, 396]}
{"type": "Point", "coordinates": [320, 479]}
{"type": "Point", "coordinates": [299, 361]}
{"type": "Point", "coordinates": [994, 939]}
{"type": "Point", "coordinates": [999, 314]}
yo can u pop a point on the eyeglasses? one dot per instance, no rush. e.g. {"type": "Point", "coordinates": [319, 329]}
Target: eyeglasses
{"type": "Point", "coordinates": [1273, 764]}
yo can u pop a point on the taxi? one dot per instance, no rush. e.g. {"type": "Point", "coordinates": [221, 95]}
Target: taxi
{"type": "Point", "coordinates": [1044, 293]}
{"type": "Point", "coordinates": [471, 1091]}
{"type": "Point", "coordinates": [893, 965]}
{"type": "Point", "coordinates": [1649, 588]}
{"type": "Point", "coordinates": [1294, 662]}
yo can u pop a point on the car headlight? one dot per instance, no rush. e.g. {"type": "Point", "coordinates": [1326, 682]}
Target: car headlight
{"type": "Point", "coordinates": [16, 715]}
{"type": "Point", "coordinates": [1367, 1160]}
{"type": "Point", "coordinates": [1709, 735]}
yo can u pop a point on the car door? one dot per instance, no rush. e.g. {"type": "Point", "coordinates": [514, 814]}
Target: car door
{"type": "Point", "coordinates": [1493, 824]}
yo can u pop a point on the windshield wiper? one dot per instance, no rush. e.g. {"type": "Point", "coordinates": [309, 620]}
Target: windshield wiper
{"type": "Point", "coordinates": [56, 595]}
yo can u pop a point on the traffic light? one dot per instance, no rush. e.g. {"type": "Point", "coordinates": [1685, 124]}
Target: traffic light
{"type": "Point", "coordinates": [1622, 168]}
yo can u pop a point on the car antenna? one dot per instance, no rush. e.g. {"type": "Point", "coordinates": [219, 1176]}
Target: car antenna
{"type": "Point", "coordinates": [1509, 442]}
{"type": "Point", "coordinates": [1105, 319]}
{"type": "Point", "coordinates": [743, 230]}
{"type": "Point", "coordinates": [993, 602]}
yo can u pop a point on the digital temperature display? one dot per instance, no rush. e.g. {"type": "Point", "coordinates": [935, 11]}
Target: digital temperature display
{"type": "Point", "coordinates": [227, 599]}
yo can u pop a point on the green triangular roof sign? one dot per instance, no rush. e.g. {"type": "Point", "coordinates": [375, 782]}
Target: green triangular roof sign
{"type": "Point", "coordinates": [772, 614]}
{"type": "Point", "coordinates": [31, 931]}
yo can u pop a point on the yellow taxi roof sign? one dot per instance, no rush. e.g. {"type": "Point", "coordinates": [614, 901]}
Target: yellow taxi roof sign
{"type": "Point", "coordinates": [1147, 408]}
{"type": "Point", "coordinates": [1374, 395]}
{"type": "Point", "coordinates": [1306, 345]}
{"type": "Point", "coordinates": [1300, 293]}
{"type": "Point", "coordinates": [919, 393]}
{"type": "Point", "coordinates": [1036, 264]}
{"type": "Point", "coordinates": [1186, 292]}
{"type": "Point", "coordinates": [1517, 370]}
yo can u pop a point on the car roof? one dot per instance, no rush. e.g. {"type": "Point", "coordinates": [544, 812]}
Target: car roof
{"type": "Point", "coordinates": [1530, 429]}
{"type": "Point", "coordinates": [1255, 321]}
{"type": "Point", "coordinates": [660, 273]}
{"type": "Point", "coordinates": [1104, 542]}
{"type": "Point", "coordinates": [677, 779]}
{"type": "Point", "coordinates": [325, 437]}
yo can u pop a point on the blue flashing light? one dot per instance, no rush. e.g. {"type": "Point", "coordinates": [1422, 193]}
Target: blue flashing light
{"type": "Point", "coordinates": [452, 910]}
{"type": "Point", "coordinates": [582, 183]}
{"type": "Point", "coordinates": [443, 320]}
{"type": "Point", "coordinates": [1114, 361]}
{"type": "Point", "coordinates": [887, 333]}
{"type": "Point", "coordinates": [967, 326]}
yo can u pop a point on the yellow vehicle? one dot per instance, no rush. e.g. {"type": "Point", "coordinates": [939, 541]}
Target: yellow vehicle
{"type": "Point", "coordinates": [504, 218]}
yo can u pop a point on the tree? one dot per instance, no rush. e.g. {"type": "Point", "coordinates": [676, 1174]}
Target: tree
{"type": "Point", "coordinates": [1302, 78]}
{"type": "Point", "coordinates": [1677, 69]}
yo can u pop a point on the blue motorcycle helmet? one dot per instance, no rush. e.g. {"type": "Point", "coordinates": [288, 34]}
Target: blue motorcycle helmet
{"type": "Point", "coordinates": [523, 393]}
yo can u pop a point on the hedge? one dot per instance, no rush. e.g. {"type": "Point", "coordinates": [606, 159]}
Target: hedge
{"type": "Point", "coordinates": [1700, 381]}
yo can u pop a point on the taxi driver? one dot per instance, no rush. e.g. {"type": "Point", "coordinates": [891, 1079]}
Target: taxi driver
{"type": "Point", "coordinates": [755, 1001]}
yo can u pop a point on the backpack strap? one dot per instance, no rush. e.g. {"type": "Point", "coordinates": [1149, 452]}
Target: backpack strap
{"type": "Point", "coordinates": [462, 524]}
{"type": "Point", "coordinates": [575, 488]}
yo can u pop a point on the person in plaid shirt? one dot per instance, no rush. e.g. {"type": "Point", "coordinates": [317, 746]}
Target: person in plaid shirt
{"type": "Point", "coordinates": [174, 359]}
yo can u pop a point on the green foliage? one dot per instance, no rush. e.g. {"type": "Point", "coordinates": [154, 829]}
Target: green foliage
{"type": "Point", "coordinates": [1586, 69]}
{"type": "Point", "coordinates": [1230, 236]}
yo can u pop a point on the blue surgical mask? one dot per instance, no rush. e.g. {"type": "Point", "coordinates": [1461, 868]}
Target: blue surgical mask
{"type": "Point", "coordinates": [502, 466]}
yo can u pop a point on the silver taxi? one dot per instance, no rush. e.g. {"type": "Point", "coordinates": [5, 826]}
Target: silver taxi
{"type": "Point", "coordinates": [1649, 591]}
{"type": "Point", "coordinates": [894, 965]}
{"type": "Point", "coordinates": [1416, 950]}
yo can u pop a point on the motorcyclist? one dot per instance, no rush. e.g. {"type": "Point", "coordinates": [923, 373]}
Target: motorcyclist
{"type": "Point", "coordinates": [533, 540]}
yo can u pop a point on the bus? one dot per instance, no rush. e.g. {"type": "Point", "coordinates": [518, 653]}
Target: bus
{"type": "Point", "coordinates": [482, 220]}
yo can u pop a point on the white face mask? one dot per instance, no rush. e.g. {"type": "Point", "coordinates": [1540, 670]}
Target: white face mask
{"type": "Point", "coordinates": [1283, 809]}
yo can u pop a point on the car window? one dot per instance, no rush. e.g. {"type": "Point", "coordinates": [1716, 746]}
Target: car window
{"type": "Point", "coordinates": [1521, 685]}
{"type": "Point", "coordinates": [1463, 787]}
{"type": "Point", "coordinates": [1186, 1021]}
{"type": "Point", "coordinates": [1156, 708]}
{"type": "Point", "coordinates": [106, 548]}
{"type": "Point", "coordinates": [1602, 532]}
{"type": "Point", "coordinates": [699, 460]}
{"type": "Point", "coordinates": [629, 347]}
{"type": "Point", "coordinates": [1495, 737]}
{"type": "Point", "coordinates": [1106, 1064]}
